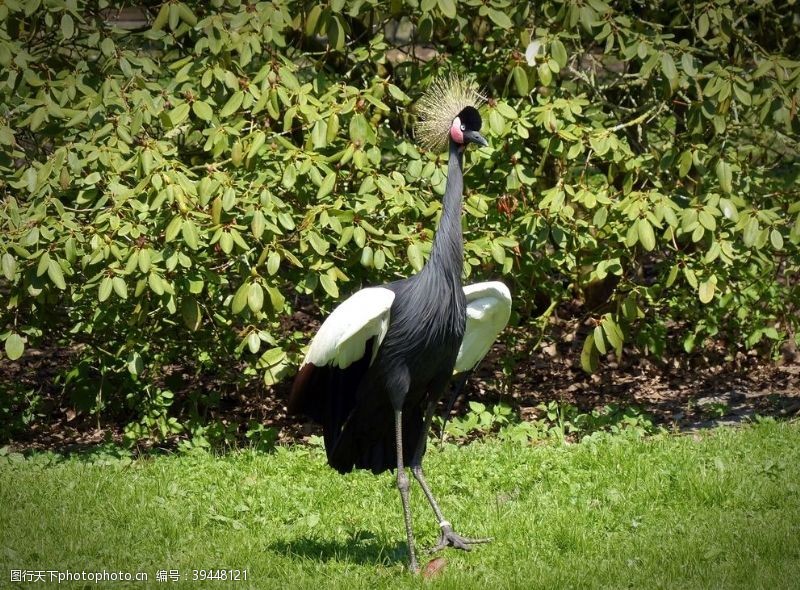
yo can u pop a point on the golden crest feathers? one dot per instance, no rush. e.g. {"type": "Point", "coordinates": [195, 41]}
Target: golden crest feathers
{"type": "Point", "coordinates": [444, 100]}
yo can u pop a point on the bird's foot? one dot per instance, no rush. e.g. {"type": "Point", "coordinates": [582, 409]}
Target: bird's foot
{"type": "Point", "coordinates": [449, 538]}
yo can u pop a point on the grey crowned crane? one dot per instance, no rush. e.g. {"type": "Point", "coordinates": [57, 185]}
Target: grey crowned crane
{"type": "Point", "coordinates": [383, 358]}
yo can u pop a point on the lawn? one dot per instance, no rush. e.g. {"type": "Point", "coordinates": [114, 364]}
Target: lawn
{"type": "Point", "coordinates": [719, 509]}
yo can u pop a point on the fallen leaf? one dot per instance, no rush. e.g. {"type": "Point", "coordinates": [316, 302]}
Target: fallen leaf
{"type": "Point", "coordinates": [434, 567]}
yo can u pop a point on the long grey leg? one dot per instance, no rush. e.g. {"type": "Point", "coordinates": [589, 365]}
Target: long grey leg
{"type": "Point", "coordinates": [447, 537]}
{"type": "Point", "coordinates": [402, 486]}
{"type": "Point", "coordinates": [416, 462]}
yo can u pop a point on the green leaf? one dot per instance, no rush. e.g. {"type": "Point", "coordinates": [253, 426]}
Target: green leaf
{"type": "Point", "coordinates": [398, 94]}
{"type": "Point", "coordinates": [498, 253]}
{"type": "Point", "coordinates": [520, 80]}
{"type": "Point", "coordinates": [600, 217]}
{"type": "Point", "coordinates": [240, 298]}
{"type": "Point", "coordinates": [286, 220]}
{"type": "Point", "coordinates": [135, 363]}
{"type": "Point", "coordinates": [359, 236]}
{"type": "Point", "coordinates": [162, 17]}
{"type": "Point", "coordinates": [589, 358]}
{"type": "Point", "coordinates": [559, 53]}
{"type": "Point", "coordinates": [706, 289]}
{"type": "Point", "coordinates": [742, 95]}
{"type": "Point", "coordinates": [105, 289]}
{"type": "Point", "coordinates": [448, 8]}
{"type": "Point", "coordinates": [751, 231]}
{"type": "Point", "coordinates": [496, 122]}
{"type": "Point", "coordinates": [276, 298]}
{"type": "Point", "coordinates": [233, 104]}
{"type": "Point", "coordinates": [44, 264]}
{"type": "Point", "coordinates": [599, 340]}
{"type": "Point", "coordinates": [646, 235]}
{"type": "Point", "coordinates": [415, 258]}
{"type": "Point", "coordinates": [289, 176]}
{"type": "Point", "coordinates": [367, 255]}
{"type": "Point", "coordinates": [685, 163]}
{"type": "Point", "coordinates": [273, 262]}
{"type": "Point", "coordinates": [668, 67]}
{"type": "Point", "coordinates": [67, 26]}
{"type": "Point", "coordinates": [9, 264]}
{"type": "Point", "coordinates": [179, 113]}
{"type": "Point", "coordinates": [500, 18]}
{"type": "Point", "coordinates": [776, 239]}
{"type": "Point", "coordinates": [545, 74]}
{"type": "Point", "coordinates": [327, 185]}
{"type": "Point", "coordinates": [189, 233]}
{"type": "Point", "coordinates": [724, 175]}
{"type": "Point", "coordinates": [120, 288]}
{"type": "Point", "coordinates": [191, 314]}
{"type": "Point", "coordinates": [707, 220]}
{"type": "Point", "coordinates": [144, 260]}
{"type": "Point", "coordinates": [702, 24]}
{"type": "Point", "coordinates": [687, 62]}
{"type": "Point", "coordinates": [238, 239]}
{"type": "Point", "coordinates": [319, 244]}
{"type": "Point", "coordinates": [253, 342]}
{"type": "Point", "coordinates": [360, 131]}
{"type": "Point", "coordinates": [259, 137]}
{"type": "Point", "coordinates": [258, 224]}
{"type": "Point", "coordinates": [690, 276]}
{"type": "Point", "coordinates": [506, 110]}
{"type": "Point", "coordinates": [379, 259]}
{"type": "Point", "coordinates": [255, 297]}
{"type": "Point", "coordinates": [319, 134]}
{"type": "Point", "coordinates": [728, 209]}
{"type": "Point", "coordinates": [600, 143]}
{"type": "Point", "coordinates": [56, 274]}
{"type": "Point", "coordinates": [202, 110]}
{"type": "Point", "coordinates": [689, 342]}
{"type": "Point", "coordinates": [329, 285]}
{"type": "Point", "coordinates": [107, 47]}
{"type": "Point", "coordinates": [173, 228]}
{"type": "Point", "coordinates": [229, 199]}
{"type": "Point", "coordinates": [312, 20]}
{"type": "Point", "coordinates": [336, 36]}
{"type": "Point", "coordinates": [156, 283]}
{"type": "Point", "coordinates": [332, 128]}
{"type": "Point", "coordinates": [613, 332]}
{"type": "Point", "coordinates": [15, 346]}
{"type": "Point", "coordinates": [186, 14]}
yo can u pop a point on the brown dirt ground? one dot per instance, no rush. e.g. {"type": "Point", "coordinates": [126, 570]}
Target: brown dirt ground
{"type": "Point", "coordinates": [678, 394]}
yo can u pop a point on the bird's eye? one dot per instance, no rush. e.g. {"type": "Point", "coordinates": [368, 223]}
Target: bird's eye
{"type": "Point", "coordinates": [463, 128]}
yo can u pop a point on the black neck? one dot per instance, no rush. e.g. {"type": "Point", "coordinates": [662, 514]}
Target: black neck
{"type": "Point", "coordinates": [447, 254]}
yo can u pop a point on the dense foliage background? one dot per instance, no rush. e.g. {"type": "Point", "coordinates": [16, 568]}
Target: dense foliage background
{"type": "Point", "coordinates": [176, 184]}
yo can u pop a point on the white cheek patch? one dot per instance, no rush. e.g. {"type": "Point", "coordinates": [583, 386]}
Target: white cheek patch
{"type": "Point", "coordinates": [455, 131]}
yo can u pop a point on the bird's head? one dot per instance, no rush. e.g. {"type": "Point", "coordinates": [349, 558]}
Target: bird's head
{"type": "Point", "coordinates": [449, 111]}
{"type": "Point", "coordinates": [466, 128]}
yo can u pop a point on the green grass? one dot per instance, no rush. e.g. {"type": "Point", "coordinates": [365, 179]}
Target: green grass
{"type": "Point", "coordinates": [721, 511]}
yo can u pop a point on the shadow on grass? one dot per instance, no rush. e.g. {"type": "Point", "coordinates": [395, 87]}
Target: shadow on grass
{"type": "Point", "coordinates": [362, 548]}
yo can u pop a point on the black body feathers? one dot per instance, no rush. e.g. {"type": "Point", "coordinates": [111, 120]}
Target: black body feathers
{"type": "Point", "coordinates": [413, 363]}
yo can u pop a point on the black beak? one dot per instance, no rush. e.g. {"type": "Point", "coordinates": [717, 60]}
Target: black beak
{"type": "Point", "coordinates": [475, 137]}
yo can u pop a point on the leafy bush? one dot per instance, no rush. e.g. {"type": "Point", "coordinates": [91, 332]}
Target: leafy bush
{"type": "Point", "coordinates": [172, 192]}
{"type": "Point", "coordinates": [554, 421]}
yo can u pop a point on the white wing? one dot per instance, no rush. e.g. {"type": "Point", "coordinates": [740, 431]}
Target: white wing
{"type": "Point", "coordinates": [488, 310]}
{"type": "Point", "coordinates": [343, 336]}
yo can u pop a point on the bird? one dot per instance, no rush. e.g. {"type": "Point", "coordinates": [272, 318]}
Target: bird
{"type": "Point", "coordinates": [381, 361]}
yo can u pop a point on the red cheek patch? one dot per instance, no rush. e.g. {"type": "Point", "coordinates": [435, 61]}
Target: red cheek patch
{"type": "Point", "coordinates": [455, 131]}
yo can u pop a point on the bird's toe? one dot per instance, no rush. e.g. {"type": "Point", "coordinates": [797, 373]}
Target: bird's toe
{"type": "Point", "coordinates": [449, 538]}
